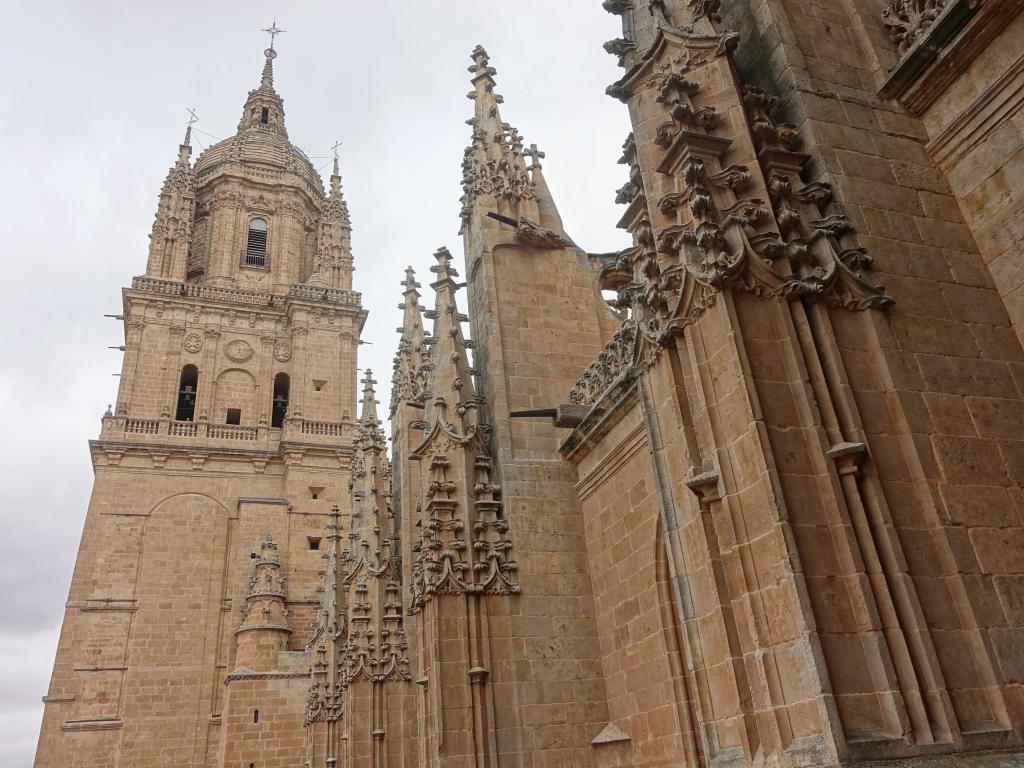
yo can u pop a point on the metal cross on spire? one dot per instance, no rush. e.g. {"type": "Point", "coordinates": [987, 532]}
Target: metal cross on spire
{"type": "Point", "coordinates": [334, 148]}
{"type": "Point", "coordinates": [273, 31]}
{"type": "Point", "coordinates": [193, 118]}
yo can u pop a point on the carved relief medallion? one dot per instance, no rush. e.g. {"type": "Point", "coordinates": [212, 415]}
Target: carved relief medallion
{"type": "Point", "coordinates": [238, 350]}
{"type": "Point", "coordinates": [193, 342]}
{"type": "Point", "coordinates": [282, 350]}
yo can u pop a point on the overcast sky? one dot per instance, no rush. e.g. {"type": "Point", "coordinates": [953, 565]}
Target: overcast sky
{"type": "Point", "coordinates": [95, 109]}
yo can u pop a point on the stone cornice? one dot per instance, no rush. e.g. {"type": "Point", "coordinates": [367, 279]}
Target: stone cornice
{"type": "Point", "coordinates": [112, 724]}
{"type": "Point", "coordinates": [212, 454]}
{"type": "Point", "coordinates": [250, 675]}
{"type": "Point", "coordinates": [945, 50]}
{"type": "Point", "coordinates": [992, 108]}
{"type": "Point", "coordinates": [613, 406]}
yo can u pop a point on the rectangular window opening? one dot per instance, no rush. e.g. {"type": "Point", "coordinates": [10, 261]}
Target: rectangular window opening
{"type": "Point", "coordinates": [234, 416]}
{"type": "Point", "coordinates": [318, 384]}
{"type": "Point", "coordinates": [315, 491]}
{"type": "Point", "coordinates": [265, 115]}
{"type": "Point", "coordinates": [314, 542]}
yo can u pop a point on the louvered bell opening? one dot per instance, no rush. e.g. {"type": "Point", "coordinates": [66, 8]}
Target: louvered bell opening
{"type": "Point", "coordinates": [256, 245]}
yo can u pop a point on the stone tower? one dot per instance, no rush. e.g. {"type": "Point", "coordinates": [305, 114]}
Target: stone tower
{"type": "Point", "coordinates": [234, 425]}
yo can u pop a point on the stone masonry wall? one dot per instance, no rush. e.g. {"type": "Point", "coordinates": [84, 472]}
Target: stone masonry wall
{"type": "Point", "coordinates": [976, 132]}
{"type": "Point", "coordinates": [148, 636]}
{"type": "Point", "coordinates": [640, 654]}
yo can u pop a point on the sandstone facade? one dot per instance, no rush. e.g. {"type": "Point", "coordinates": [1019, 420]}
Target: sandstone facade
{"type": "Point", "coordinates": [745, 493]}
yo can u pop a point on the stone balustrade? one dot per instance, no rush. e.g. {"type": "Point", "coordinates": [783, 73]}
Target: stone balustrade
{"type": "Point", "coordinates": [241, 296]}
{"type": "Point", "coordinates": [293, 430]}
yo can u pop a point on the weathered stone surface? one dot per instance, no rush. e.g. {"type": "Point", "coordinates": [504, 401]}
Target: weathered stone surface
{"type": "Point", "coordinates": [766, 510]}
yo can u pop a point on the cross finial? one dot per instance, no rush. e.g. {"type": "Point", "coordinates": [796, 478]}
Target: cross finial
{"type": "Point", "coordinates": [335, 171]}
{"type": "Point", "coordinates": [535, 155]}
{"type": "Point", "coordinates": [193, 118]}
{"type": "Point", "coordinates": [273, 30]}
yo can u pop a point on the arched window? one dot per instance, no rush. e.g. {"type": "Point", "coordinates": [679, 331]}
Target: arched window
{"type": "Point", "coordinates": [279, 403]}
{"type": "Point", "coordinates": [186, 410]}
{"type": "Point", "coordinates": [256, 244]}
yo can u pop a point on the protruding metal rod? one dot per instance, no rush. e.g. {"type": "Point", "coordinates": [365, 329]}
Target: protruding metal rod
{"type": "Point", "coordinates": [548, 413]}
{"type": "Point", "coordinates": [503, 219]}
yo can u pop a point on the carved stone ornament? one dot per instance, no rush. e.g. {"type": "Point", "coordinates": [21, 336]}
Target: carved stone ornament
{"type": "Point", "coordinates": [609, 367]}
{"type": "Point", "coordinates": [238, 350]}
{"type": "Point", "coordinates": [282, 350]}
{"type": "Point", "coordinates": [907, 20]}
{"type": "Point", "coordinates": [537, 236]}
{"type": "Point", "coordinates": [193, 343]}
{"type": "Point", "coordinates": [715, 233]}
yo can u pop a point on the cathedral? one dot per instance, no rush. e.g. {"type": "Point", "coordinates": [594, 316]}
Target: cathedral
{"type": "Point", "coordinates": [745, 493]}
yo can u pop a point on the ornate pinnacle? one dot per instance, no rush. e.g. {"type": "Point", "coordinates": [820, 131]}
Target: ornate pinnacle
{"type": "Point", "coordinates": [267, 78]}
{"type": "Point", "coordinates": [410, 283]}
{"type": "Point", "coordinates": [444, 270]}
{"type": "Point", "coordinates": [369, 414]}
{"type": "Point", "coordinates": [481, 63]}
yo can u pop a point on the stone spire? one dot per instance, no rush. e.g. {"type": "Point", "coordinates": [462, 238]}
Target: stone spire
{"type": "Point", "coordinates": [326, 694]}
{"type": "Point", "coordinates": [185, 149]}
{"type": "Point", "coordinates": [549, 215]}
{"type": "Point", "coordinates": [460, 500]}
{"type": "Point", "coordinates": [451, 380]}
{"type": "Point", "coordinates": [493, 167]}
{"type": "Point", "coordinates": [264, 628]}
{"type": "Point", "coordinates": [371, 529]}
{"type": "Point", "coordinates": [264, 108]}
{"type": "Point", "coordinates": [413, 356]}
{"type": "Point", "coordinates": [376, 645]}
{"type": "Point", "coordinates": [496, 182]}
{"type": "Point", "coordinates": [265, 604]}
{"type": "Point", "coordinates": [369, 424]}
{"type": "Point", "coordinates": [267, 78]}
{"type": "Point", "coordinates": [333, 264]}
{"type": "Point", "coordinates": [171, 236]}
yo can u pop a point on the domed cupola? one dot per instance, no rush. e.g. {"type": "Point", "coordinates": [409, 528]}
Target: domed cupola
{"type": "Point", "coordinates": [262, 220]}
{"type": "Point", "coordinates": [262, 140]}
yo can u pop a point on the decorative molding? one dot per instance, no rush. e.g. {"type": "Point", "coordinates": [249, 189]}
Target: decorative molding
{"type": "Point", "coordinates": [945, 49]}
{"type": "Point", "coordinates": [248, 674]}
{"type": "Point", "coordinates": [613, 363]}
{"type": "Point", "coordinates": [907, 20]}
{"type": "Point", "coordinates": [193, 343]}
{"type": "Point", "coordinates": [112, 724]}
{"type": "Point", "coordinates": [238, 350]}
{"type": "Point", "coordinates": [1003, 99]}
{"type": "Point", "coordinates": [615, 458]}
{"type": "Point", "coordinates": [282, 350]}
